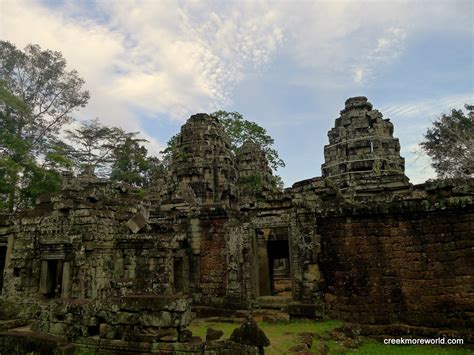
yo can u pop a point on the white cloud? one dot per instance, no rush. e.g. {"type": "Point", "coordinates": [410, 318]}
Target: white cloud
{"type": "Point", "coordinates": [187, 57]}
{"type": "Point", "coordinates": [428, 109]}
{"type": "Point", "coordinates": [348, 43]}
{"type": "Point", "coordinates": [417, 164]}
{"type": "Point", "coordinates": [162, 57]}
{"type": "Point", "coordinates": [176, 58]}
{"type": "Point", "coordinates": [388, 47]}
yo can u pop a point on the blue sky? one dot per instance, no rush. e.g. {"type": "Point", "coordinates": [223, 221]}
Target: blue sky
{"type": "Point", "coordinates": [288, 66]}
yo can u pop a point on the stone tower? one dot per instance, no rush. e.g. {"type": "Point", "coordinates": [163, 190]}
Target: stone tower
{"type": "Point", "coordinates": [204, 161]}
{"type": "Point", "coordinates": [362, 157]}
{"type": "Point", "coordinates": [255, 175]}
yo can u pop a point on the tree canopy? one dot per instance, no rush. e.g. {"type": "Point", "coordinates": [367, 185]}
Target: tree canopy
{"type": "Point", "coordinates": [39, 79]}
{"type": "Point", "coordinates": [450, 144]}
{"type": "Point", "coordinates": [93, 145]}
{"type": "Point", "coordinates": [37, 97]}
{"type": "Point", "coordinates": [239, 130]}
{"type": "Point", "coordinates": [111, 152]}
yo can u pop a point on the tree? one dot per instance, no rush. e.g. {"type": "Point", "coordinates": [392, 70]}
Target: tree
{"type": "Point", "coordinates": [239, 130]}
{"type": "Point", "coordinates": [112, 153]}
{"type": "Point", "coordinates": [37, 97]}
{"type": "Point", "coordinates": [94, 145]}
{"type": "Point", "coordinates": [450, 144]}
{"type": "Point", "coordinates": [13, 150]}
{"type": "Point", "coordinates": [39, 79]}
{"type": "Point", "coordinates": [23, 176]}
{"type": "Point", "coordinates": [132, 164]}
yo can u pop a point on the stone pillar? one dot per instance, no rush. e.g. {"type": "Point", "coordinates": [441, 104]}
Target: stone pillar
{"type": "Point", "coordinates": [8, 256]}
{"type": "Point", "coordinates": [43, 286]}
{"type": "Point", "coordinates": [66, 280]}
{"type": "Point", "coordinates": [264, 269]}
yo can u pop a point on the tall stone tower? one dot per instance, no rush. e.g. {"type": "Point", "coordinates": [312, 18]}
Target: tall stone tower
{"type": "Point", "coordinates": [255, 175]}
{"type": "Point", "coordinates": [362, 157]}
{"type": "Point", "coordinates": [204, 161]}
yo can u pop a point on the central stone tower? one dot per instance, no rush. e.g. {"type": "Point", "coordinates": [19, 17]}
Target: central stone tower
{"type": "Point", "coordinates": [204, 161]}
{"type": "Point", "coordinates": [362, 157]}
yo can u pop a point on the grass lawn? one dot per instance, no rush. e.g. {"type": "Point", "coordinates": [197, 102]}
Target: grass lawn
{"type": "Point", "coordinates": [284, 335]}
{"type": "Point", "coordinates": [374, 347]}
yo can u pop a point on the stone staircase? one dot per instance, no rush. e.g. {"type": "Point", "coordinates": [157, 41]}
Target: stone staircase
{"type": "Point", "coordinates": [273, 302]}
{"type": "Point", "coordinates": [272, 308]}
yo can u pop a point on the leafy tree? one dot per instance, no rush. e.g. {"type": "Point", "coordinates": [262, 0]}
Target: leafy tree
{"type": "Point", "coordinates": [111, 152]}
{"type": "Point", "coordinates": [450, 143]}
{"type": "Point", "coordinates": [132, 164]}
{"type": "Point", "coordinates": [239, 130]}
{"type": "Point", "coordinates": [23, 176]}
{"type": "Point", "coordinates": [12, 147]}
{"type": "Point", "coordinates": [94, 145]}
{"type": "Point", "coordinates": [39, 79]}
{"type": "Point", "coordinates": [37, 97]}
{"type": "Point", "coordinates": [170, 149]}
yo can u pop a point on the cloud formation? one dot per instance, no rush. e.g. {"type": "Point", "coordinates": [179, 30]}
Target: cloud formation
{"type": "Point", "coordinates": [175, 58]}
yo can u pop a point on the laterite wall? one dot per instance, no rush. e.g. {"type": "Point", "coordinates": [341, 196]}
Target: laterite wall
{"type": "Point", "coordinates": [400, 263]}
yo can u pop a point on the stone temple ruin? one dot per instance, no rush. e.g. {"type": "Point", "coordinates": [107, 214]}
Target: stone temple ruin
{"type": "Point", "coordinates": [106, 266]}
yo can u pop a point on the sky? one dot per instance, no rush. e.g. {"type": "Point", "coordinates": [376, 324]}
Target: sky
{"type": "Point", "coordinates": [287, 65]}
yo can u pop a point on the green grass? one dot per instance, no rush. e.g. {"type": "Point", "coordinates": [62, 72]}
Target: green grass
{"type": "Point", "coordinates": [284, 335]}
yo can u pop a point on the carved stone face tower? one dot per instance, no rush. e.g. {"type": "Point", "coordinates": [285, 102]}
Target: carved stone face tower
{"type": "Point", "coordinates": [363, 157]}
{"type": "Point", "coordinates": [204, 161]}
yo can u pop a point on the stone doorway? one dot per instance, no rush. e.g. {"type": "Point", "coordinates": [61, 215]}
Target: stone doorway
{"type": "Point", "coordinates": [274, 259]}
{"type": "Point", "coordinates": [181, 272]}
{"type": "Point", "coordinates": [51, 278]}
{"type": "Point", "coordinates": [178, 275]}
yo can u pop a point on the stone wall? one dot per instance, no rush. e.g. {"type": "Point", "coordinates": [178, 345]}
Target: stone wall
{"type": "Point", "coordinates": [410, 261]}
{"type": "Point", "coordinates": [134, 318]}
{"type": "Point", "coordinates": [212, 257]}
{"type": "Point", "coordinates": [92, 240]}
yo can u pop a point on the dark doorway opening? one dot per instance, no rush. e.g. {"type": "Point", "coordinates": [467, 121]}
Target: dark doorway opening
{"type": "Point", "coordinates": [178, 275]}
{"type": "Point", "coordinates": [279, 267]}
{"type": "Point", "coordinates": [51, 278]}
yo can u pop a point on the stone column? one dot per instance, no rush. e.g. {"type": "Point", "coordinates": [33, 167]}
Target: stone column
{"type": "Point", "coordinates": [264, 269]}
{"type": "Point", "coordinates": [8, 255]}
{"type": "Point", "coordinates": [66, 280]}
{"type": "Point", "coordinates": [43, 286]}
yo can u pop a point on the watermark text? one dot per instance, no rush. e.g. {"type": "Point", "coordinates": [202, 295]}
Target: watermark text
{"type": "Point", "coordinates": [422, 341]}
